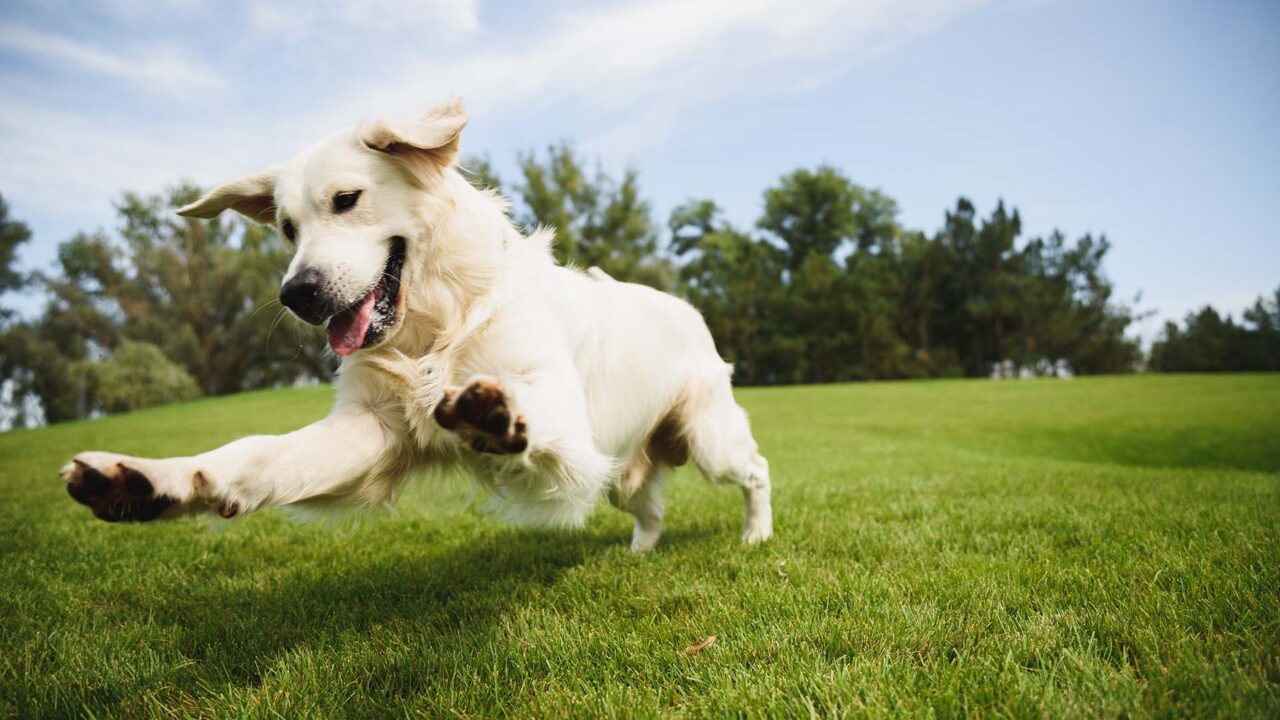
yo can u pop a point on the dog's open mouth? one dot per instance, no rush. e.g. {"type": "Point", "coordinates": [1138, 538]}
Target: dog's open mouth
{"type": "Point", "coordinates": [363, 323]}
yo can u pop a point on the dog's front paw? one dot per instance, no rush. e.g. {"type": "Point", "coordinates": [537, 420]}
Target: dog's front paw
{"type": "Point", "coordinates": [481, 414]}
{"type": "Point", "coordinates": [115, 488]}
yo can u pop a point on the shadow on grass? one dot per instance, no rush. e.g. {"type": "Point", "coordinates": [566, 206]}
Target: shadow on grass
{"type": "Point", "coordinates": [236, 625]}
{"type": "Point", "coordinates": [468, 586]}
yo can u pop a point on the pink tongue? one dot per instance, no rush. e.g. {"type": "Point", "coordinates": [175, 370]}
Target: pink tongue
{"type": "Point", "coordinates": [346, 330]}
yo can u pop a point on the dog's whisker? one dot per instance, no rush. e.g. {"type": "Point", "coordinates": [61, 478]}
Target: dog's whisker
{"type": "Point", "coordinates": [279, 316]}
{"type": "Point", "coordinates": [297, 342]}
{"type": "Point", "coordinates": [263, 306]}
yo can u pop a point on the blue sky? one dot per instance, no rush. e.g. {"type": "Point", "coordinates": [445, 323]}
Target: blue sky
{"type": "Point", "coordinates": [1153, 122]}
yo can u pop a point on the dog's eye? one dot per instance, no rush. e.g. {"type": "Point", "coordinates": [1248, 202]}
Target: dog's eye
{"type": "Point", "coordinates": [344, 201]}
{"type": "Point", "coordinates": [287, 228]}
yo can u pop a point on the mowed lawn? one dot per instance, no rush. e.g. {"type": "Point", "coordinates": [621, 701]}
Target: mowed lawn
{"type": "Point", "coordinates": [1093, 547]}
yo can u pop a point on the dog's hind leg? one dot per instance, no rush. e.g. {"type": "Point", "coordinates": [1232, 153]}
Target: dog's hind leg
{"type": "Point", "coordinates": [720, 442]}
{"type": "Point", "coordinates": [640, 493]}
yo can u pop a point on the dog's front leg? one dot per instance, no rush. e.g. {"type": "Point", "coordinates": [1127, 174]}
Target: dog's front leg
{"type": "Point", "coordinates": [539, 419]}
{"type": "Point", "coordinates": [341, 455]}
{"type": "Point", "coordinates": [483, 412]}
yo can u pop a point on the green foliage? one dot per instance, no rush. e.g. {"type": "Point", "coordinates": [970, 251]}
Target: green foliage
{"type": "Point", "coordinates": [819, 211]}
{"type": "Point", "coordinates": [735, 282]}
{"type": "Point", "coordinates": [13, 234]}
{"type": "Point", "coordinates": [598, 220]}
{"type": "Point", "coordinates": [1210, 342]}
{"type": "Point", "coordinates": [836, 289]}
{"type": "Point", "coordinates": [1104, 547]}
{"type": "Point", "coordinates": [34, 367]}
{"type": "Point", "coordinates": [139, 375]}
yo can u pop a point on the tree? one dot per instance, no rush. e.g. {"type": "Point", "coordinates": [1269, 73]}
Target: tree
{"type": "Point", "coordinates": [736, 282]}
{"type": "Point", "coordinates": [995, 284]}
{"type": "Point", "coordinates": [924, 264]}
{"type": "Point", "coordinates": [1088, 325]}
{"type": "Point", "coordinates": [13, 234]}
{"type": "Point", "coordinates": [1043, 307]}
{"type": "Point", "coordinates": [17, 376]}
{"type": "Point", "coordinates": [1262, 343]}
{"type": "Point", "coordinates": [810, 212]}
{"type": "Point", "coordinates": [835, 289]}
{"type": "Point", "coordinates": [598, 221]}
{"type": "Point", "coordinates": [983, 287]}
{"type": "Point", "coordinates": [138, 375]}
{"type": "Point", "coordinates": [1212, 342]}
{"type": "Point", "coordinates": [842, 314]}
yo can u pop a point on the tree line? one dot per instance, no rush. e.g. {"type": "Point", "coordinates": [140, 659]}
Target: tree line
{"type": "Point", "coordinates": [826, 286]}
{"type": "Point", "coordinates": [1211, 342]}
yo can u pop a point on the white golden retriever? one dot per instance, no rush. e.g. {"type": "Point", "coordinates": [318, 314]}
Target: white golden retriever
{"type": "Point", "coordinates": [462, 344]}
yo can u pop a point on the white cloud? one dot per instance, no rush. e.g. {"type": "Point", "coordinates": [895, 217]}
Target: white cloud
{"type": "Point", "coordinates": [628, 74]}
{"type": "Point", "coordinates": [134, 9]}
{"type": "Point", "coordinates": [659, 59]}
{"type": "Point", "coordinates": [163, 69]}
{"type": "Point", "coordinates": [295, 19]}
{"type": "Point", "coordinates": [74, 165]}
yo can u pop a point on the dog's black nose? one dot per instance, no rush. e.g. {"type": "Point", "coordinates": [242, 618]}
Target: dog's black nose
{"type": "Point", "coordinates": [302, 295]}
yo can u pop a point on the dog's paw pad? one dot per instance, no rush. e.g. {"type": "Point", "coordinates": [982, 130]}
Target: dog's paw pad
{"type": "Point", "coordinates": [115, 493]}
{"type": "Point", "coordinates": [518, 440]}
{"type": "Point", "coordinates": [446, 412]}
{"type": "Point", "coordinates": [481, 414]}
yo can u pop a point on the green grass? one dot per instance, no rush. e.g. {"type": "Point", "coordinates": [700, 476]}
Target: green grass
{"type": "Point", "coordinates": [1101, 547]}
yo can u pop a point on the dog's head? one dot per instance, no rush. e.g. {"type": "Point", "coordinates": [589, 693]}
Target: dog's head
{"type": "Point", "coordinates": [350, 206]}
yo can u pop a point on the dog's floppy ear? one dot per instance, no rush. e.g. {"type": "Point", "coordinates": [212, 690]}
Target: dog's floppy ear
{"type": "Point", "coordinates": [431, 138]}
{"type": "Point", "coordinates": [252, 196]}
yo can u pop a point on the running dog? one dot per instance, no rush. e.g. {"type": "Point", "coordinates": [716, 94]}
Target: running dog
{"type": "Point", "coordinates": [462, 344]}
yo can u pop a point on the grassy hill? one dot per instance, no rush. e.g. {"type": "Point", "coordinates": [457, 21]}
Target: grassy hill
{"type": "Point", "coordinates": [1090, 547]}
